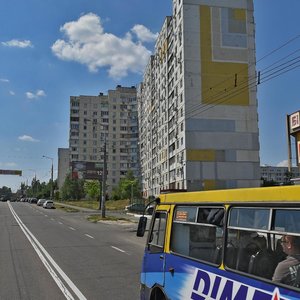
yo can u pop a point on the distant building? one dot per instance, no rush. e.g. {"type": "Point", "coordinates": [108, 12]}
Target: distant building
{"type": "Point", "coordinates": [278, 174]}
{"type": "Point", "coordinates": [63, 165]}
{"type": "Point", "coordinates": [99, 121]}
{"type": "Point", "coordinates": [197, 103]}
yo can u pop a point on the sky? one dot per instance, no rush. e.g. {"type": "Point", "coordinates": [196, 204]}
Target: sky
{"type": "Point", "coordinates": [53, 49]}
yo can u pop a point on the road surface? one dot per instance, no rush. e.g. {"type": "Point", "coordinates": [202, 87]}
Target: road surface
{"type": "Point", "coordinates": [52, 254]}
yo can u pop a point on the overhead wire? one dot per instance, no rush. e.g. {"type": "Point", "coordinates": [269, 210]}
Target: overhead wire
{"type": "Point", "coordinates": [253, 64]}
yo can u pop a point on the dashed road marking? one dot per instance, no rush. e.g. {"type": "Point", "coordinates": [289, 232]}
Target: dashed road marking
{"type": "Point", "coordinates": [91, 237]}
{"type": "Point", "coordinates": [118, 249]}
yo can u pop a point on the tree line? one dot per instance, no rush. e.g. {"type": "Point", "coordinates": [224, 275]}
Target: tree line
{"type": "Point", "coordinates": [76, 189]}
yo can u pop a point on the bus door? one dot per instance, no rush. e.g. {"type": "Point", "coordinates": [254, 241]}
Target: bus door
{"type": "Point", "coordinates": [154, 259]}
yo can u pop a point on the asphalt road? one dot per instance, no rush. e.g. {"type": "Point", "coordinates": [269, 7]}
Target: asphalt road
{"type": "Point", "coordinates": [52, 254]}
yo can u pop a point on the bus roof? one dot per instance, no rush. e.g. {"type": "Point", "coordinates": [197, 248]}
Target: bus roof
{"type": "Point", "coordinates": [262, 194]}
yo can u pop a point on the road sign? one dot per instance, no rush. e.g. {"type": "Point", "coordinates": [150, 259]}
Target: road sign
{"type": "Point", "coordinates": [11, 172]}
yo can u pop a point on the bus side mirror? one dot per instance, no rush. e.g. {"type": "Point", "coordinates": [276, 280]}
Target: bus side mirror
{"type": "Point", "coordinates": [142, 226]}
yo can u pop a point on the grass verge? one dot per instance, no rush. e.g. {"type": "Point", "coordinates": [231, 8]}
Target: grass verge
{"type": "Point", "coordinates": [97, 218]}
{"type": "Point", "coordinates": [109, 205]}
{"type": "Point", "coordinates": [66, 209]}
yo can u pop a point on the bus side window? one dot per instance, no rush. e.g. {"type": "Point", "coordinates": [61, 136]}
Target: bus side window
{"type": "Point", "coordinates": [157, 235]}
{"type": "Point", "coordinates": [197, 236]}
{"type": "Point", "coordinates": [250, 243]}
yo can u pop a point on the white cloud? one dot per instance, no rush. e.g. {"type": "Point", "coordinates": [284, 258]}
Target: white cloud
{"type": "Point", "coordinates": [87, 43]}
{"type": "Point", "coordinates": [4, 80]}
{"type": "Point", "coordinates": [8, 164]}
{"type": "Point", "coordinates": [27, 138]}
{"type": "Point", "coordinates": [283, 163]}
{"type": "Point", "coordinates": [144, 34]}
{"type": "Point", "coordinates": [18, 43]}
{"type": "Point", "coordinates": [12, 93]}
{"type": "Point", "coordinates": [37, 94]}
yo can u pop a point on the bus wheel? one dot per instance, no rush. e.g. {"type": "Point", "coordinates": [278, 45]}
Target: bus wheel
{"type": "Point", "coordinates": [157, 294]}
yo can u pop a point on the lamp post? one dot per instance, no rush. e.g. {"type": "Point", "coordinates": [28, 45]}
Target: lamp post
{"type": "Point", "coordinates": [51, 191]}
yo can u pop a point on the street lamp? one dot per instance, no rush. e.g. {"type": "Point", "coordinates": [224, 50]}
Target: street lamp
{"type": "Point", "coordinates": [51, 191]}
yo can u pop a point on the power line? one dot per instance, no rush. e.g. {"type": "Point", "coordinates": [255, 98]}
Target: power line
{"type": "Point", "coordinates": [234, 77]}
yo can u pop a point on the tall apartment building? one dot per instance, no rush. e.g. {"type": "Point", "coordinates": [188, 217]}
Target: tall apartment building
{"type": "Point", "coordinates": [197, 103]}
{"type": "Point", "coordinates": [105, 123]}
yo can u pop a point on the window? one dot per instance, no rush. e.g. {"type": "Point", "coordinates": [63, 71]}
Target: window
{"type": "Point", "coordinates": [254, 240]}
{"type": "Point", "coordinates": [197, 232]}
{"type": "Point", "coordinates": [157, 237]}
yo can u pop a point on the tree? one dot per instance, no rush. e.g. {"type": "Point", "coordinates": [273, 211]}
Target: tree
{"type": "Point", "coordinates": [287, 178]}
{"type": "Point", "coordinates": [5, 193]}
{"type": "Point", "coordinates": [92, 188]}
{"type": "Point", "coordinates": [128, 188]}
{"type": "Point", "coordinates": [72, 189]}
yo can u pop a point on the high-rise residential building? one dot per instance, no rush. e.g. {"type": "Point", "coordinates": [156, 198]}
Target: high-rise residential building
{"type": "Point", "coordinates": [197, 103]}
{"type": "Point", "coordinates": [104, 124]}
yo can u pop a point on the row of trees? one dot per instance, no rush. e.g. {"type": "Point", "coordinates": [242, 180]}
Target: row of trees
{"type": "Point", "coordinates": [76, 189]}
{"type": "Point", "coordinates": [37, 189]}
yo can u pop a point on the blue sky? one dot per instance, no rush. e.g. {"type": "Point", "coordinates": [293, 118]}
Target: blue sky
{"type": "Point", "coordinates": [52, 49]}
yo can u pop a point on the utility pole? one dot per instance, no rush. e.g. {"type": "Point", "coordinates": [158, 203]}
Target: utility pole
{"type": "Point", "coordinates": [289, 143]}
{"type": "Point", "coordinates": [51, 183]}
{"type": "Point", "coordinates": [104, 180]}
{"type": "Point", "coordinates": [100, 189]}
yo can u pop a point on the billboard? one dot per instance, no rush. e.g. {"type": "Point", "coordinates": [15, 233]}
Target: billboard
{"type": "Point", "coordinates": [11, 172]}
{"type": "Point", "coordinates": [87, 170]}
{"type": "Point", "coordinates": [294, 122]}
{"type": "Point", "coordinates": [298, 152]}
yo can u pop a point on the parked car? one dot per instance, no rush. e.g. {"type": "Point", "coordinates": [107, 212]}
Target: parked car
{"type": "Point", "coordinates": [33, 200]}
{"type": "Point", "coordinates": [41, 202]}
{"type": "Point", "coordinates": [135, 207]}
{"type": "Point", "coordinates": [48, 204]}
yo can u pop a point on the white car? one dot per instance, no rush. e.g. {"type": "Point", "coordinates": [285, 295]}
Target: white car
{"type": "Point", "coordinates": [48, 204]}
{"type": "Point", "coordinates": [41, 202]}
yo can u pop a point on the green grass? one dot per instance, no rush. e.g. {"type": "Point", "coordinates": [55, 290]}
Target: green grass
{"type": "Point", "coordinates": [109, 205]}
{"type": "Point", "coordinates": [96, 218]}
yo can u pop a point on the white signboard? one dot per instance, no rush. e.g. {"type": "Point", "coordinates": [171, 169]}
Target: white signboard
{"type": "Point", "coordinates": [295, 120]}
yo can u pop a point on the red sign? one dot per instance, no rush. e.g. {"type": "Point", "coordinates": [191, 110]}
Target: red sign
{"type": "Point", "coordinates": [295, 120]}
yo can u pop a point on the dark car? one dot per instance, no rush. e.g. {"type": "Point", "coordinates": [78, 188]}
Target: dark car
{"type": "Point", "coordinates": [135, 207]}
{"type": "Point", "coordinates": [33, 200]}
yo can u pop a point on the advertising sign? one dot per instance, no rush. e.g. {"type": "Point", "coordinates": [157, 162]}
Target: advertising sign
{"type": "Point", "coordinates": [87, 170]}
{"type": "Point", "coordinates": [295, 122]}
{"type": "Point", "coordinates": [298, 152]}
{"type": "Point", "coordinates": [11, 172]}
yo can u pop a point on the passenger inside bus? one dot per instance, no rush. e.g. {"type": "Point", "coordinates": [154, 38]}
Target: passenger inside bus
{"type": "Point", "coordinates": [288, 271]}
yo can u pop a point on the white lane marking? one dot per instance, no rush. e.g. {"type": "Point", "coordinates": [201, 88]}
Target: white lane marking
{"type": "Point", "coordinates": [60, 223]}
{"type": "Point", "coordinates": [91, 237]}
{"type": "Point", "coordinates": [72, 228]}
{"type": "Point", "coordinates": [46, 215]}
{"type": "Point", "coordinates": [118, 249]}
{"type": "Point", "coordinates": [52, 219]}
{"type": "Point", "coordinates": [43, 254]}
